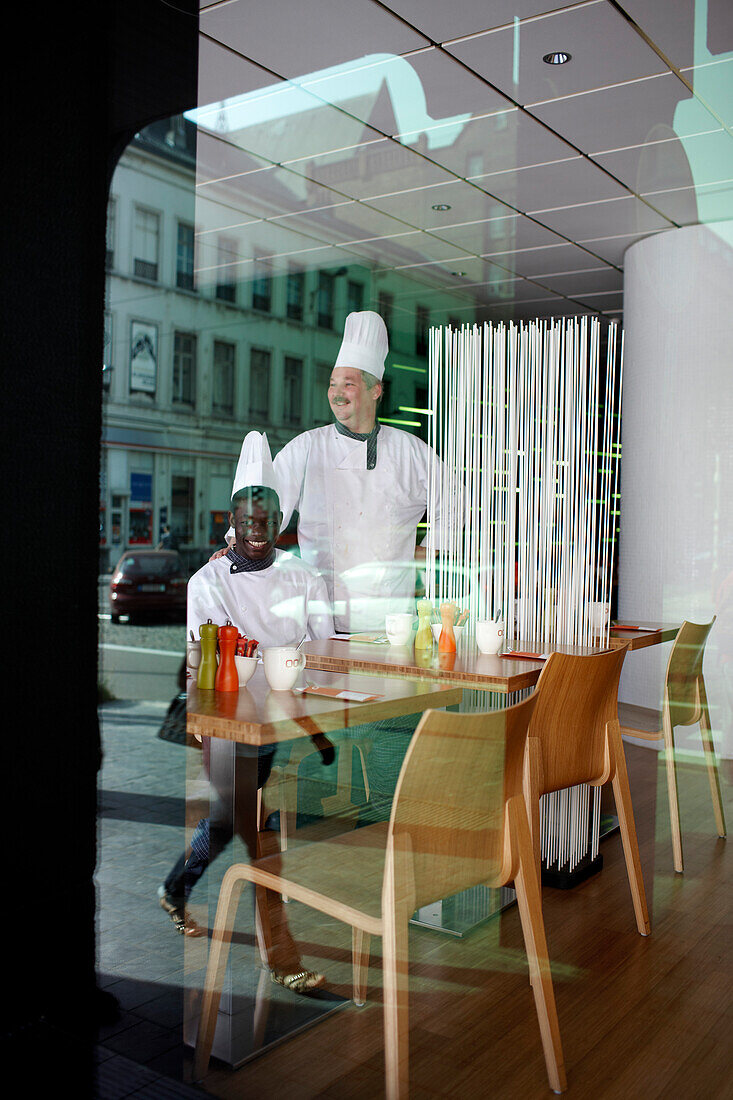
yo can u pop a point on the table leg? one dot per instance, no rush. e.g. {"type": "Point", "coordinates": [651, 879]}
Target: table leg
{"type": "Point", "coordinates": [253, 1012]}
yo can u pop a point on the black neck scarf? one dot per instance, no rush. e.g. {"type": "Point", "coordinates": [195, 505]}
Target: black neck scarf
{"type": "Point", "coordinates": [370, 437]}
{"type": "Point", "coordinates": [246, 565]}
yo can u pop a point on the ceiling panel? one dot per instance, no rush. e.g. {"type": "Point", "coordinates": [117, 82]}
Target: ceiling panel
{"type": "Point", "coordinates": [614, 216]}
{"type": "Point", "coordinates": [553, 260]}
{"type": "Point", "coordinates": [466, 203]}
{"type": "Point", "coordinates": [576, 283]}
{"type": "Point", "coordinates": [376, 126]}
{"type": "Point", "coordinates": [320, 34]}
{"type": "Point", "coordinates": [511, 58]}
{"type": "Point", "coordinates": [556, 184]}
{"type": "Point", "coordinates": [443, 22]}
{"type": "Point", "coordinates": [612, 249]}
{"type": "Point", "coordinates": [667, 163]}
{"type": "Point", "coordinates": [689, 205]}
{"type": "Point", "coordinates": [375, 169]}
{"type": "Point", "coordinates": [498, 235]}
{"type": "Point", "coordinates": [509, 139]}
{"type": "Point", "coordinates": [614, 117]}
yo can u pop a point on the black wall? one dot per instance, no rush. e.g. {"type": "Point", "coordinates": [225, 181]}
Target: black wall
{"type": "Point", "coordinates": [84, 79]}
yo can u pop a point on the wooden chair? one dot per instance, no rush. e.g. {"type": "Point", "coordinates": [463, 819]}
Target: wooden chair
{"type": "Point", "coordinates": [281, 792]}
{"type": "Point", "coordinates": [458, 820]}
{"type": "Point", "coordinates": [574, 737]}
{"type": "Point", "coordinates": [684, 704]}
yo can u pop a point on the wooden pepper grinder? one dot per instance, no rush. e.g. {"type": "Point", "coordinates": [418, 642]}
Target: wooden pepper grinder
{"type": "Point", "coordinates": [227, 678]}
{"type": "Point", "coordinates": [207, 668]}
{"type": "Point", "coordinates": [447, 640]}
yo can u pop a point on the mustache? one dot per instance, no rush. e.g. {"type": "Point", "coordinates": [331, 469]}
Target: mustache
{"type": "Point", "coordinates": [338, 401]}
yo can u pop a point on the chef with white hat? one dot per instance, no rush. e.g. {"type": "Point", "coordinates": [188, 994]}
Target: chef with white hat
{"type": "Point", "coordinates": [360, 488]}
{"type": "Point", "coordinates": [267, 594]}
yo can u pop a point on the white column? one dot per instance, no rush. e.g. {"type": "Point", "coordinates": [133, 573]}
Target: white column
{"type": "Point", "coordinates": [676, 540]}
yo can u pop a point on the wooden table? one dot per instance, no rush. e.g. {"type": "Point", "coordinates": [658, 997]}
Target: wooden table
{"type": "Point", "coordinates": [258, 716]}
{"type": "Point", "coordinates": [467, 667]}
{"type": "Point", "coordinates": [254, 1013]}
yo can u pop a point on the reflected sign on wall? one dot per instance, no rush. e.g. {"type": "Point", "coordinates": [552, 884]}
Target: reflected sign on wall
{"type": "Point", "coordinates": [143, 357]}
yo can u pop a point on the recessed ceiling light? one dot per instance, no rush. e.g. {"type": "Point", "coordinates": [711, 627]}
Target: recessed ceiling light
{"type": "Point", "coordinates": [557, 58]}
{"type": "Point", "coordinates": [459, 274]}
{"type": "Point", "coordinates": [441, 206]}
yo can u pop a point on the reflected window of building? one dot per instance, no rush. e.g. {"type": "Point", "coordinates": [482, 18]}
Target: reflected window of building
{"type": "Point", "coordinates": [223, 388]}
{"type": "Point", "coordinates": [260, 364]}
{"type": "Point", "coordinates": [385, 307]}
{"type": "Point", "coordinates": [226, 277]}
{"type": "Point", "coordinates": [422, 330]}
{"type": "Point", "coordinates": [184, 256]}
{"type": "Point", "coordinates": [321, 408]}
{"type": "Point", "coordinates": [292, 390]}
{"type": "Point", "coordinates": [184, 368]}
{"type": "Point", "coordinates": [354, 296]}
{"type": "Point", "coordinates": [182, 508]}
{"type": "Point", "coordinates": [109, 259]}
{"type": "Point", "coordinates": [325, 299]}
{"type": "Point", "coordinates": [295, 294]}
{"type": "Point", "coordinates": [107, 363]}
{"type": "Point", "coordinates": [262, 285]}
{"type": "Point", "coordinates": [146, 244]}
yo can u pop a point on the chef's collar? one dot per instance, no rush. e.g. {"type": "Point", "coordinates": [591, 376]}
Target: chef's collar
{"type": "Point", "coordinates": [246, 565]}
{"type": "Point", "coordinates": [370, 437]}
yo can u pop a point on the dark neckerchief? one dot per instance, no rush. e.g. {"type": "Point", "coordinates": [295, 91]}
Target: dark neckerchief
{"type": "Point", "coordinates": [370, 437]}
{"type": "Point", "coordinates": [246, 565]}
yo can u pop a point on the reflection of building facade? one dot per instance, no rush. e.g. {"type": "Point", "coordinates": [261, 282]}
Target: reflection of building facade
{"type": "Point", "coordinates": [192, 363]}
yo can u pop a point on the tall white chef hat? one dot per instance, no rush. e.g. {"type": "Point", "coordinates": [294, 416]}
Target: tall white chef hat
{"type": "Point", "coordinates": [255, 464]}
{"type": "Point", "coordinates": [365, 343]}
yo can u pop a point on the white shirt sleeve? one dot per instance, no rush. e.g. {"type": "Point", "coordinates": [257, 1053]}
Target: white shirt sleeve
{"type": "Point", "coordinates": [290, 464]}
{"type": "Point", "coordinates": [320, 616]}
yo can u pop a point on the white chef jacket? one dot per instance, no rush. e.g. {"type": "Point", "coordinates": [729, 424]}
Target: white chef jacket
{"type": "Point", "coordinates": [358, 527]}
{"type": "Point", "coordinates": [276, 606]}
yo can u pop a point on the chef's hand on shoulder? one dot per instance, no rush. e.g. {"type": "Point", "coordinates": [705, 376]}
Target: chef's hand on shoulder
{"type": "Point", "coordinates": [220, 553]}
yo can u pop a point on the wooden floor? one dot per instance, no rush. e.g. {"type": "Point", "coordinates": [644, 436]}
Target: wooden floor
{"type": "Point", "coordinates": [638, 1017]}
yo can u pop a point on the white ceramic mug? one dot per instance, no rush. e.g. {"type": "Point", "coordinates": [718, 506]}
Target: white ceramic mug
{"type": "Point", "coordinates": [489, 635]}
{"type": "Point", "coordinates": [283, 664]}
{"type": "Point", "coordinates": [438, 627]}
{"type": "Point", "coordinates": [600, 613]}
{"type": "Point", "coordinates": [398, 627]}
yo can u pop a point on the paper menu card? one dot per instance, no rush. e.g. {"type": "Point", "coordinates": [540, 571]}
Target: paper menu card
{"type": "Point", "coordinates": [523, 655]}
{"type": "Point", "coordinates": [376, 639]}
{"type": "Point", "coordinates": [339, 693]}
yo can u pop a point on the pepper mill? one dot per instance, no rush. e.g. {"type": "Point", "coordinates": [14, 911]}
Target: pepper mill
{"type": "Point", "coordinates": [227, 678]}
{"type": "Point", "coordinates": [424, 636]}
{"type": "Point", "coordinates": [447, 640]}
{"type": "Point", "coordinates": [207, 668]}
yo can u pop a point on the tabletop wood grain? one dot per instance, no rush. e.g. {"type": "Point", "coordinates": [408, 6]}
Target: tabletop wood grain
{"type": "Point", "coordinates": [256, 715]}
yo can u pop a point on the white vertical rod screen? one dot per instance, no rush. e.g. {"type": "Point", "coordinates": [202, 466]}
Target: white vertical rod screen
{"type": "Point", "coordinates": [526, 421]}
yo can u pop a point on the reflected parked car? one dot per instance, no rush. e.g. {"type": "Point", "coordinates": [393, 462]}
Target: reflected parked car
{"type": "Point", "coordinates": [148, 582]}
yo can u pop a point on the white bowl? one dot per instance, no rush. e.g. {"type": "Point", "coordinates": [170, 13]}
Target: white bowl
{"type": "Point", "coordinates": [437, 627]}
{"type": "Point", "coordinates": [245, 668]}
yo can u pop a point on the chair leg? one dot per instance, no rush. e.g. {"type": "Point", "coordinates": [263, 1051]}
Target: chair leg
{"type": "Point", "coordinates": [360, 941]}
{"type": "Point", "coordinates": [231, 889]}
{"type": "Point", "coordinates": [672, 788]}
{"type": "Point", "coordinates": [396, 1007]}
{"type": "Point", "coordinates": [529, 903]}
{"type": "Point", "coordinates": [713, 773]}
{"type": "Point", "coordinates": [625, 812]}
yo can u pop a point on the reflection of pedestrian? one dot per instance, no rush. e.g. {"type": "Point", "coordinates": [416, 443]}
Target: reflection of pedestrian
{"type": "Point", "coordinates": [168, 540]}
{"type": "Point", "coordinates": [269, 595]}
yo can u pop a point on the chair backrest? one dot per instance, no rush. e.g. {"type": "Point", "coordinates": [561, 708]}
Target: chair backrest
{"type": "Point", "coordinates": [684, 668]}
{"type": "Point", "coordinates": [575, 698]}
{"type": "Point", "coordinates": [456, 777]}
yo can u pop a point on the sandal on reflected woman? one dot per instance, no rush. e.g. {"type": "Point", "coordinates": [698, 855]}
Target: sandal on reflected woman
{"type": "Point", "coordinates": [301, 981]}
